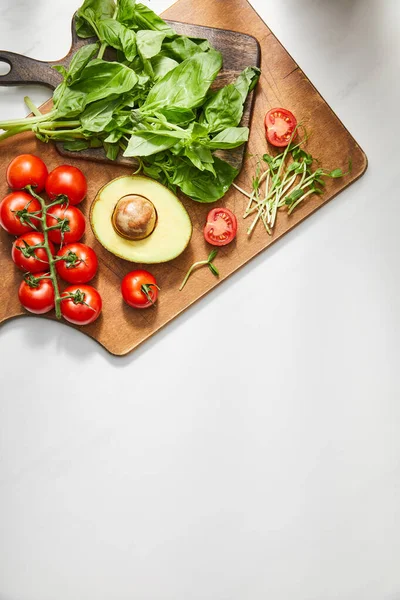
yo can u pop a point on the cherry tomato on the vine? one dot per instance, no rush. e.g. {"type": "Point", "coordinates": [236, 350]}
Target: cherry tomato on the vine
{"type": "Point", "coordinates": [66, 181]}
{"type": "Point", "coordinates": [26, 256]}
{"type": "Point", "coordinates": [72, 224]}
{"type": "Point", "coordinates": [280, 124]}
{"type": "Point", "coordinates": [27, 169]}
{"type": "Point", "coordinates": [82, 304]}
{"type": "Point", "coordinates": [79, 264]}
{"type": "Point", "coordinates": [16, 213]}
{"type": "Point", "coordinates": [139, 289]}
{"type": "Point", "coordinates": [37, 295]}
{"type": "Point", "coordinates": [221, 227]}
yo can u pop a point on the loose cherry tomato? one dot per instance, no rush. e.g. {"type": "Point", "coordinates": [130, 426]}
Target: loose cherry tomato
{"type": "Point", "coordinates": [16, 213]}
{"type": "Point", "coordinates": [79, 264]}
{"type": "Point", "coordinates": [72, 224]}
{"type": "Point", "coordinates": [279, 126]}
{"type": "Point", "coordinates": [221, 227]}
{"type": "Point", "coordinates": [26, 256]}
{"type": "Point", "coordinates": [66, 181]}
{"type": "Point", "coordinates": [82, 305]}
{"type": "Point", "coordinates": [139, 289]}
{"type": "Point", "coordinates": [27, 169]}
{"type": "Point", "coordinates": [36, 295]}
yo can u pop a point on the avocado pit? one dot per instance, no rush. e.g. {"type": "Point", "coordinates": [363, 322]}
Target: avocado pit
{"type": "Point", "coordinates": [134, 217]}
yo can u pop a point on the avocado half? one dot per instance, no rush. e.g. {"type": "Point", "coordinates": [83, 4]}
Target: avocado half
{"type": "Point", "coordinates": [166, 240]}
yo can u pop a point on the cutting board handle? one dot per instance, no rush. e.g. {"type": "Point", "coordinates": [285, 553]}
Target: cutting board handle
{"type": "Point", "coordinates": [25, 70]}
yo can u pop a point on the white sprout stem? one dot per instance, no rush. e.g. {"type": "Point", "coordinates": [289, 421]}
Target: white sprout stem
{"type": "Point", "coordinates": [254, 197]}
{"type": "Point", "coordinates": [239, 189]}
{"type": "Point", "coordinates": [291, 209]}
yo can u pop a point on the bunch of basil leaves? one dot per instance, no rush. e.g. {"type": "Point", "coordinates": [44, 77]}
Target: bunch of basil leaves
{"type": "Point", "coordinates": [154, 102]}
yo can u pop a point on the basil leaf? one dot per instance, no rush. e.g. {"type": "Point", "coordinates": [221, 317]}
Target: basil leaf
{"type": "Point", "coordinates": [247, 81]}
{"type": "Point", "coordinates": [204, 186]}
{"type": "Point", "coordinates": [119, 37]}
{"type": "Point", "coordinates": [177, 115]}
{"type": "Point", "coordinates": [76, 145]}
{"type": "Point", "coordinates": [60, 69]}
{"type": "Point", "coordinates": [187, 84]}
{"type": "Point", "coordinates": [181, 48]}
{"type": "Point", "coordinates": [224, 109]}
{"type": "Point", "coordinates": [162, 65]}
{"type": "Point", "coordinates": [111, 150]}
{"type": "Point", "coordinates": [201, 158]}
{"type": "Point", "coordinates": [146, 143]}
{"type": "Point", "coordinates": [145, 18]}
{"type": "Point", "coordinates": [98, 115]}
{"type": "Point", "coordinates": [231, 137]}
{"type": "Point", "coordinates": [79, 62]}
{"type": "Point", "coordinates": [114, 136]}
{"type": "Point", "coordinates": [100, 79]}
{"type": "Point", "coordinates": [149, 42]}
{"type": "Point", "coordinates": [90, 13]}
{"type": "Point", "coordinates": [71, 103]}
{"type": "Point", "coordinates": [126, 12]}
{"type": "Point", "coordinates": [128, 42]}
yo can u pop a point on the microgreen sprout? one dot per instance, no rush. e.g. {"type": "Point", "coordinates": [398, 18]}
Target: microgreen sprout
{"type": "Point", "coordinates": [287, 181]}
{"type": "Point", "coordinates": [200, 263]}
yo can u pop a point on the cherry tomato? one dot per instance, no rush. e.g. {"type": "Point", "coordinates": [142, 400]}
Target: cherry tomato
{"type": "Point", "coordinates": [83, 307]}
{"type": "Point", "coordinates": [27, 169]}
{"type": "Point", "coordinates": [221, 227]}
{"type": "Point", "coordinates": [66, 181]}
{"type": "Point", "coordinates": [139, 289]}
{"type": "Point", "coordinates": [15, 209]}
{"type": "Point", "coordinates": [26, 256]}
{"type": "Point", "coordinates": [80, 264]}
{"type": "Point", "coordinates": [279, 126]}
{"type": "Point", "coordinates": [36, 295]}
{"type": "Point", "coordinates": [72, 221]}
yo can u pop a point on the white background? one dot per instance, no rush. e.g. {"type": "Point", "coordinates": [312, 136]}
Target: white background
{"type": "Point", "coordinates": [251, 450]}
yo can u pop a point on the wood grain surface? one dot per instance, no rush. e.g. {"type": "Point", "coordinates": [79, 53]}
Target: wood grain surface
{"type": "Point", "coordinates": [121, 329]}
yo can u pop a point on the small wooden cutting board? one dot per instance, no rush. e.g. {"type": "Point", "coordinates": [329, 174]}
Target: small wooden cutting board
{"type": "Point", "coordinates": [120, 329]}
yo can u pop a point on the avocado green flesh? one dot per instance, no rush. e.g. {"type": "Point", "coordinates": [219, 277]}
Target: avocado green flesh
{"type": "Point", "coordinates": [170, 236]}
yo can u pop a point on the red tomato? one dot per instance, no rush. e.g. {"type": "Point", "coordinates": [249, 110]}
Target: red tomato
{"type": "Point", "coordinates": [83, 305]}
{"type": "Point", "coordinates": [27, 169]}
{"type": "Point", "coordinates": [221, 227]}
{"type": "Point", "coordinates": [80, 264]}
{"type": "Point", "coordinates": [36, 295]}
{"type": "Point", "coordinates": [66, 181]}
{"type": "Point", "coordinates": [15, 211]}
{"type": "Point", "coordinates": [279, 126]}
{"type": "Point", "coordinates": [26, 256]}
{"type": "Point", "coordinates": [72, 224]}
{"type": "Point", "coordinates": [139, 289]}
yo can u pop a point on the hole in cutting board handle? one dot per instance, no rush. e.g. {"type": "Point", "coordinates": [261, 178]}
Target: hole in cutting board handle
{"type": "Point", "coordinates": [5, 67]}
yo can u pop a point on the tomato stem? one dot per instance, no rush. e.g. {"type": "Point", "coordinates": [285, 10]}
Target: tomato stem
{"type": "Point", "coordinates": [46, 246]}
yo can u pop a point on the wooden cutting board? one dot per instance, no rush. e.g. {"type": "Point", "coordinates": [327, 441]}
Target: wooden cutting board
{"type": "Point", "coordinates": [120, 328]}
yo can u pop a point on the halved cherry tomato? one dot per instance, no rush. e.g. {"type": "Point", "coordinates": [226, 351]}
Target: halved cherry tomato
{"type": "Point", "coordinates": [139, 289]}
{"type": "Point", "coordinates": [26, 256]}
{"type": "Point", "coordinates": [221, 227]}
{"type": "Point", "coordinates": [68, 181]}
{"type": "Point", "coordinates": [82, 305]}
{"type": "Point", "coordinates": [16, 213]}
{"type": "Point", "coordinates": [79, 264]}
{"type": "Point", "coordinates": [36, 295]}
{"type": "Point", "coordinates": [27, 169]}
{"type": "Point", "coordinates": [280, 124]}
{"type": "Point", "coordinates": [72, 224]}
